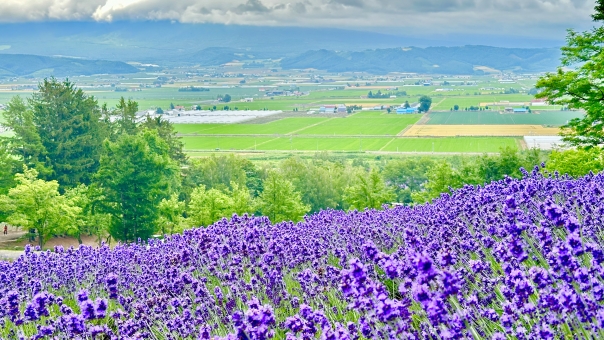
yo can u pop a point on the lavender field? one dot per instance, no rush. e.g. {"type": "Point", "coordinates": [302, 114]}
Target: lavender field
{"type": "Point", "coordinates": [515, 259]}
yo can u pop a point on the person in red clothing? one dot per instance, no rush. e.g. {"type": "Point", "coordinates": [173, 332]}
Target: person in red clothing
{"type": "Point", "coordinates": [5, 229]}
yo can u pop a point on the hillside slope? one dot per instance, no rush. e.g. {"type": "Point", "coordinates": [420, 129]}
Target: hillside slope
{"type": "Point", "coordinates": [442, 60]}
{"type": "Point", "coordinates": [25, 64]}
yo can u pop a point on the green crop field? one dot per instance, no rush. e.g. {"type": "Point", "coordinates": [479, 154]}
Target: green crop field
{"type": "Point", "coordinates": [296, 143]}
{"type": "Point", "coordinates": [278, 127]}
{"type": "Point", "coordinates": [552, 118]}
{"type": "Point", "coordinates": [325, 144]}
{"type": "Point", "coordinates": [223, 143]}
{"type": "Point", "coordinates": [451, 144]}
{"type": "Point", "coordinates": [362, 123]}
{"type": "Point", "coordinates": [446, 103]}
{"type": "Point", "coordinates": [390, 124]}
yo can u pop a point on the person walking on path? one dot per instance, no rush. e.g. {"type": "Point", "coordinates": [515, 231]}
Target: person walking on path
{"type": "Point", "coordinates": [5, 229]}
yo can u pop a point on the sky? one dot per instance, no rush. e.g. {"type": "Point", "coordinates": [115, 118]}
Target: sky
{"type": "Point", "coordinates": [547, 19]}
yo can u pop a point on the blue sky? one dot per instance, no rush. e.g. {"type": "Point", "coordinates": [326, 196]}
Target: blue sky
{"type": "Point", "coordinates": [544, 19]}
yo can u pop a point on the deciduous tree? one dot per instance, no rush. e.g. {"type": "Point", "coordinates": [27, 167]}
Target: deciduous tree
{"type": "Point", "coordinates": [578, 84]}
{"type": "Point", "coordinates": [37, 204]}
{"type": "Point", "coordinates": [368, 191]}
{"type": "Point", "coordinates": [279, 201]}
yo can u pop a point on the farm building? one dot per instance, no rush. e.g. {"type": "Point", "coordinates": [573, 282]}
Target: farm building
{"type": "Point", "coordinates": [402, 110]}
{"type": "Point", "coordinates": [538, 102]}
{"type": "Point", "coordinates": [328, 109]}
{"type": "Point", "coordinates": [333, 109]}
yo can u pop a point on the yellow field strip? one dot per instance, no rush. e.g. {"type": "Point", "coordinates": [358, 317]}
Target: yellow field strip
{"type": "Point", "coordinates": [478, 130]}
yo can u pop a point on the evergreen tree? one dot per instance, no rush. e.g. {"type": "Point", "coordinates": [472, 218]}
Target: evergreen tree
{"type": "Point", "coordinates": [126, 122]}
{"type": "Point", "coordinates": [59, 132]}
{"type": "Point", "coordinates": [25, 143]}
{"type": "Point", "coordinates": [166, 131]}
{"type": "Point", "coordinates": [136, 173]}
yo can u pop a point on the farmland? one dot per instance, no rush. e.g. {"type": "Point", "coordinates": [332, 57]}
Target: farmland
{"type": "Point", "coordinates": [299, 129]}
{"type": "Point", "coordinates": [546, 118]}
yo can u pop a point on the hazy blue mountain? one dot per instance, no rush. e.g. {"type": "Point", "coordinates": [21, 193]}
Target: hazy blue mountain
{"type": "Point", "coordinates": [442, 60]}
{"type": "Point", "coordinates": [23, 65]}
{"type": "Point", "coordinates": [166, 42]}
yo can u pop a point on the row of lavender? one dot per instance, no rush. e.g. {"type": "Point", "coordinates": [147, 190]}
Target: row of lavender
{"type": "Point", "coordinates": [519, 258]}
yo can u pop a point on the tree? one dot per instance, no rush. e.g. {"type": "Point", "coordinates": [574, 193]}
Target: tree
{"type": "Point", "coordinates": [406, 105]}
{"type": "Point", "coordinates": [25, 143]}
{"type": "Point", "coordinates": [279, 201]}
{"type": "Point", "coordinates": [136, 173]}
{"type": "Point", "coordinates": [165, 130]}
{"type": "Point", "coordinates": [159, 111]}
{"type": "Point", "coordinates": [424, 103]}
{"type": "Point", "coordinates": [217, 172]}
{"type": "Point", "coordinates": [37, 204]}
{"type": "Point", "coordinates": [226, 98]}
{"type": "Point", "coordinates": [456, 107]}
{"type": "Point", "coordinates": [171, 212]}
{"type": "Point", "coordinates": [126, 122]}
{"type": "Point", "coordinates": [368, 192]}
{"type": "Point", "coordinates": [8, 167]}
{"type": "Point", "coordinates": [60, 132]}
{"type": "Point", "coordinates": [576, 162]}
{"type": "Point", "coordinates": [242, 200]}
{"type": "Point", "coordinates": [407, 176]}
{"type": "Point", "coordinates": [208, 206]}
{"type": "Point", "coordinates": [578, 84]}
{"type": "Point", "coordinates": [440, 178]}
{"type": "Point", "coordinates": [89, 220]}
{"type": "Point", "coordinates": [321, 184]}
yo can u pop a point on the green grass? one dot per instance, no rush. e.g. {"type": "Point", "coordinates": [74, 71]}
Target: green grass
{"type": "Point", "coordinates": [223, 143]}
{"type": "Point", "coordinates": [451, 144]}
{"type": "Point", "coordinates": [363, 125]}
{"type": "Point", "coordinates": [325, 144]}
{"type": "Point", "coordinates": [278, 127]}
{"type": "Point", "coordinates": [552, 118]}
{"type": "Point", "coordinates": [295, 143]}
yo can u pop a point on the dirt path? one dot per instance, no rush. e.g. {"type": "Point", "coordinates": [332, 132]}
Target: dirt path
{"type": "Point", "coordinates": [10, 255]}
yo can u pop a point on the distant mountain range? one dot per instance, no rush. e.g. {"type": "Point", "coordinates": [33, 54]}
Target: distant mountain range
{"type": "Point", "coordinates": [442, 60]}
{"type": "Point", "coordinates": [24, 65]}
{"type": "Point", "coordinates": [166, 42]}
{"type": "Point", "coordinates": [175, 44]}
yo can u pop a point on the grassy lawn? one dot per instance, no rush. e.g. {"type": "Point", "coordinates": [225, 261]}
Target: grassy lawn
{"type": "Point", "coordinates": [451, 144]}
{"type": "Point", "coordinates": [553, 118]}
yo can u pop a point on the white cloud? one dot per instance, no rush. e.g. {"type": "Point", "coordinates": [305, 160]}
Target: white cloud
{"type": "Point", "coordinates": [532, 17]}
